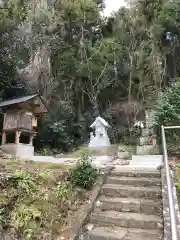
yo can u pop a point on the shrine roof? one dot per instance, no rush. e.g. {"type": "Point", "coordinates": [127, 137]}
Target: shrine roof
{"type": "Point", "coordinates": [17, 100]}
{"type": "Point", "coordinates": [23, 100]}
{"type": "Point", "coordinates": [103, 122]}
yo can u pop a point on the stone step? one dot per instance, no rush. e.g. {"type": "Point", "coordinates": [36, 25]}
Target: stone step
{"type": "Point", "coordinates": [133, 181]}
{"type": "Point", "coordinates": [126, 220]}
{"type": "Point", "coordinates": [113, 190]}
{"type": "Point", "coordinates": [147, 160]}
{"type": "Point", "coordinates": [129, 205]}
{"type": "Point", "coordinates": [117, 233]}
{"type": "Point", "coordinates": [138, 171]}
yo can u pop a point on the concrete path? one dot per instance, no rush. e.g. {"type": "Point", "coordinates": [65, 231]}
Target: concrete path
{"type": "Point", "coordinates": [98, 161]}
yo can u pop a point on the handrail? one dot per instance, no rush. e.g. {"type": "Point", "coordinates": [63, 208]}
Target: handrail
{"type": "Point", "coordinates": [174, 233]}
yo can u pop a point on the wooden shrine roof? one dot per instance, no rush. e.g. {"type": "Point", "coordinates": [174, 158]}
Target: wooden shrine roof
{"type": "Point", "coordinates": [23, 99]}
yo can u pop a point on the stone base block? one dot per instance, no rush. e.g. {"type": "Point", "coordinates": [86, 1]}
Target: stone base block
{"type": "Point", "coordinates": [18, 150]}
{"type": "Point", "coordinates": [145, 132]}
{"type": "Point", "coordinates": [147, 149]}
{"type": "Point", "coordinates": [144, 141]}
{"type": "Point", "coordinates": [147, 160]}
{"type": "Point", "coordinates": [104, 151]}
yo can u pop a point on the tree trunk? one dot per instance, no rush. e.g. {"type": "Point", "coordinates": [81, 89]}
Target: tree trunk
{"type": "Point", "coordinates": [96, 112]}
{"type": "Point", "coordinates": [130, 90]}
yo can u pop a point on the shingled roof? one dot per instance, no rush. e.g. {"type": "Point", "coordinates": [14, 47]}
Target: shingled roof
{"type": "Point", "coordinates": [21, 100]}
{"type": "Point", "coordinates": [17, 100]}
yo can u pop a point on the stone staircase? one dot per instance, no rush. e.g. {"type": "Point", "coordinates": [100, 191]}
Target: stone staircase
{"type": "Point", "coordinates": [129, 207]}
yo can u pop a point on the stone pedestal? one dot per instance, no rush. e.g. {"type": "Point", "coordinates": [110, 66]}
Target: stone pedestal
{"type": "Point", "coordinates": [149, 116]}
{"type": "Point", "coordinates": [18, 150]}
{"type": "Point", "coordinates": [144, 141]}
{"type": "Point", "coordinates": [147, 160]}
{"type": "Point", "coordinates": [104, 151]}
{"type": "Point", "coordinates": [147, 149]}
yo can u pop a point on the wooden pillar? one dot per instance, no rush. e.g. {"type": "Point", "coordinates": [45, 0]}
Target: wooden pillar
{"type": "Point", "coordinates": [31, 137]}
{"type": "Point", "coordinates": [18, 134]}
{"type": "Point", "coordinates": [3, 132]}
{"type": "Point", "coordinates": [3, 137]}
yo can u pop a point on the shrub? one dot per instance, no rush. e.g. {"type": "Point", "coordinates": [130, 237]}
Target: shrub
{"type": "Point", "coordinates": [168, 114]}
{"type": "Point", "coordinates": [59, 129]}
{"type": "Point", "coordinates": [21, 181]}
{"type": "Point", "coordinates": [44, 152]}
{"type": "Point", "coordinates": [84, 175]}
{"type": "Point", "coordinates": [25, 218]}
{"type": "Point", "coordinates": [62, 190]}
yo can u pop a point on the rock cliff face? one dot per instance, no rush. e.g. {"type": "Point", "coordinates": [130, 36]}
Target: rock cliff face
{"type": "Point", "coordinates": [38, 71]}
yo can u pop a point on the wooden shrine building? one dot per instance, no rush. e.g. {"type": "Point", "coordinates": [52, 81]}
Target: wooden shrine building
{"type": "Point", "coordinates": [20, 124]}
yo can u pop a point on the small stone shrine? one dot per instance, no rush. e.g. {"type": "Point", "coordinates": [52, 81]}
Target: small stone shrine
{"type": "Point", "coordinates": [100, 139]}
{"type": "Point", "coordinates": [20, 124]}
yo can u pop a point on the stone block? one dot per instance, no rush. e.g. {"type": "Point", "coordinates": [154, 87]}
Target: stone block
{"type": "Point", "coordinates": [144, 182]}
{"type": "Point", "coordinates": [121, 219]}
{"type": "Point", "coordinates": [130, 205]}
{"type": "Point", "coordinates": [118, 233]}
{"type": "Point", "coordinates": [119, 204]}
{"type": "Point", "coordinates": [147, 160]}
{"type": "Point", "coordinates": [145, 132]}
{"type": "Point", "coordinates": [137, 171]}
{"type": "Point", "coordinates": [18, 150]}
{"type": "Point", "coordinates": [149, 115]}
{"type": "Point", "coordinates": [104, 151]}
{"type": "Point", "coordinates": [112, 190]}
{"type": "Point", "coordinates": [147, 149]}
{"type": "Point", "coordinates": [144, 141]}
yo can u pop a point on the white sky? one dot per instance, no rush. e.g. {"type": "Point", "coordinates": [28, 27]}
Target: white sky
{"type": "Point", "coordinates": [113, 5]}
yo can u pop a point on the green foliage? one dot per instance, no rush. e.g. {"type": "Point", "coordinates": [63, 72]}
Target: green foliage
{"type": "Point", "coordinates": [85, 65]}
{"type": "Point", "coordinates": [63, 190]}
{"type": "Point", "coordinates": [44, 152]}
{"type": "Point", "coordinates": [59, 129]}
{"type": "Point", "coordinates": [39, 201]}
{"type": "Point", "coordinates": [23, 182]}
{"type": "Point", "coordinates": [2, 219]}
{"type": "Point", "coordinates": [25, 218]}
{"type": "Point", "coordinates": [84, 175]}
{"type": "Point", "coordinates": [168, 114]}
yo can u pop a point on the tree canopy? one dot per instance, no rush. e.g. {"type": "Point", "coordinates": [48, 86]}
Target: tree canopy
{"type": "Point", "coordinates": [90, 64]}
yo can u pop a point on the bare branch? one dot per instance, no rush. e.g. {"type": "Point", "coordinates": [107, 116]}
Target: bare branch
{"type": "Point", "coordinates": [102, 72]}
